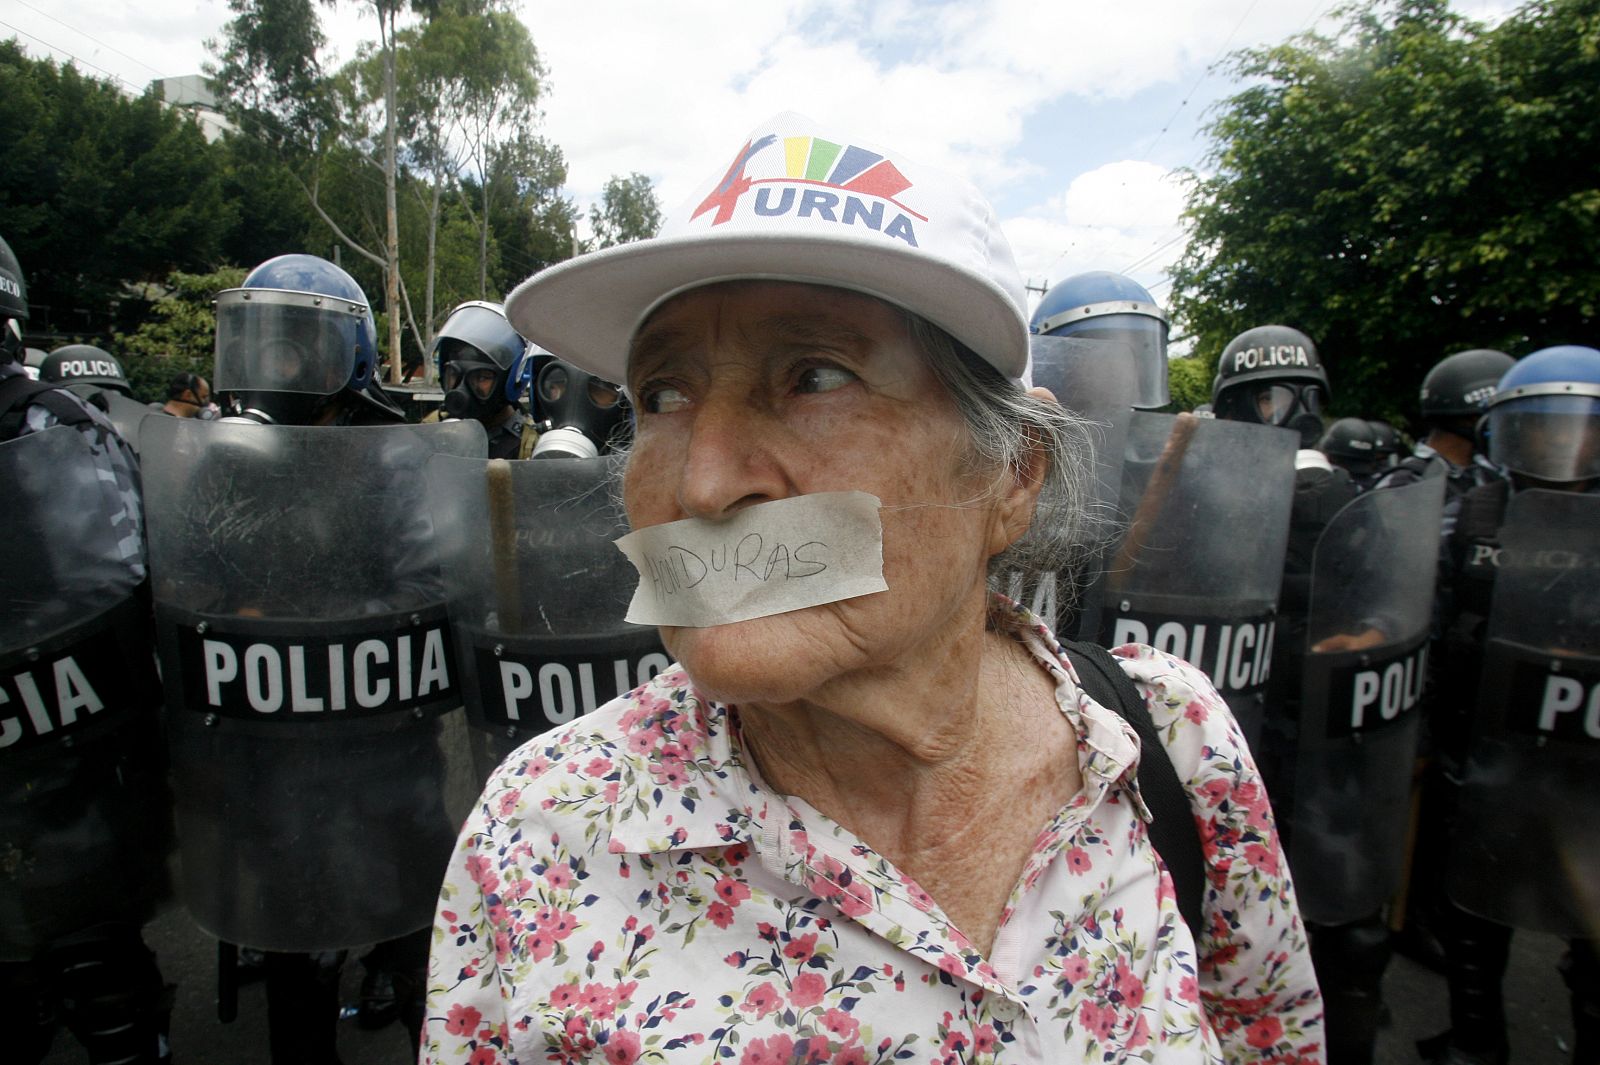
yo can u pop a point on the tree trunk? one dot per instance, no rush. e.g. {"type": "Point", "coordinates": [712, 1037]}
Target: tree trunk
{"type": "Point", "coordinates": [483, 231]}
{"type": "Point", "coordinates": [427, 300]}
{"type": "Point", "coordinates": [391, 209]}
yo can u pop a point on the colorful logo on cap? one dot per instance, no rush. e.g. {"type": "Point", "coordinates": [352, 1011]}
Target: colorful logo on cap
{"type": "Point", "coordinates": [840, 183]}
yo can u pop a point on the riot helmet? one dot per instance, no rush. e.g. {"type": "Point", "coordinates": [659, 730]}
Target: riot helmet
{"type": "Point", "coordinates": [1387, 438]}
{"type": "Point", "coordinates": [1100, 305]}
{"type": "Point", "coordinates": [1458, 387]}
{"type": "Point", "coordinates": [1272, 375]}
{"type": "Point", "coordinates": [474, 353]}
{"type": "Point", "coordinates": [296, 338]}
{"type": "Point", "coordinates": [582, 413]}
{"type": "Point", "coordinates": [1350, 443]}
{"type": "Point", "coordinates": [13, 303]}
{"type": "Point", "coordinates": [1544, 417]}
{"type": "Point", "coordinates": [73, 364]}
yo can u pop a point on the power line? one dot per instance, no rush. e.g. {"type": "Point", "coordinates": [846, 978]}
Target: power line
{"type": "Point", "coordinates": [134, 89]}
{"type": "Point", "coordinates": [91, 37]}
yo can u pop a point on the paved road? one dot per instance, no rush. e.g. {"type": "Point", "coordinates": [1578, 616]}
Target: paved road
{"type": "Point", "coordinates": [1540, 1026]}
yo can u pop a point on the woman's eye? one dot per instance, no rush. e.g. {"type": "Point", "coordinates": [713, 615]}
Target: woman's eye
{"type": "Point", "coordinates": [824, 379]}
{"type": "Point", "coordinates": [662, 399]}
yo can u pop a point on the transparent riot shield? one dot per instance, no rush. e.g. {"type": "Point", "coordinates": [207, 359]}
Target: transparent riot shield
{"type": "Point", "coordinates": [537, 593]}
{"type": "Point", "coordinates": [1526, 847]}
{"type": "Point", "coordinates": [126, 414]}
{"type": "Point", "coordinates": [311, 676]}
{"type": "Point", "coordinates": [1206, 505]}
{"type": "Point", "coordinates": [1097, 380]}
{"type": "Point", "coordinates": [83, 799]}
{"type": "Point", "coordinates": [1365, 666]}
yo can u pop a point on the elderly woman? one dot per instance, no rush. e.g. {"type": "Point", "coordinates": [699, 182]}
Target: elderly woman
{"type": "Point", "coordinates": [890, 826]}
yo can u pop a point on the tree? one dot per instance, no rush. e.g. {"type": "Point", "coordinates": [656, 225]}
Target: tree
{"type": "Point", "coordinates": [179, 335]}
{"type": "Point", "coordinates": [1411, 186]}
{"type": "Point", "coordinates": [1189, 381]}
{"type": "Point", "coordinates": [628, 211]}
{"type": "Point", "coordinates": [99, 190]}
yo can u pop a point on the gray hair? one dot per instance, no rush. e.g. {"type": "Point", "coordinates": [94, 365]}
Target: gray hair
{"type": "Point", "coordinates": [1004, 423]}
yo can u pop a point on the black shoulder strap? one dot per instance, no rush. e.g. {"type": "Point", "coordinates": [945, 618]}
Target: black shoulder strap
{"type": "Point", "coordinates": [1172, 829]}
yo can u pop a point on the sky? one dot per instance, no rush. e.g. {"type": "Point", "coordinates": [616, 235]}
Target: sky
{"type": "Point", "coordinates": [1077, 119]}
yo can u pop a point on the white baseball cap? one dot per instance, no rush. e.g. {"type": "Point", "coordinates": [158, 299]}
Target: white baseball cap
{"type": "Point", "coordinates": [797, 202]}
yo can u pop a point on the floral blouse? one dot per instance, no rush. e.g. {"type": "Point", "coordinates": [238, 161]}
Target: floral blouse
{"type": "Point", "coordinates": [629, 891]}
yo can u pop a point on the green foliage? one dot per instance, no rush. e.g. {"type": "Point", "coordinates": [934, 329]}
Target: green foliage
{"type": "Point", "coordinates": [1414, 186]}
{"type": "Point", "coordinates": [628, 211]}
{"type": "Point", "coordinates": [1189, 380]}
{"type": "Point", "coordinates": [179, 334]}
{"type": "Point", "coordinates": [99, 190]}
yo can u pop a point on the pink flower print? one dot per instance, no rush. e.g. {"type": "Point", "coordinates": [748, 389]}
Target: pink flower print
{"type": "Point", "coordinates": [984, 1040]}
{"type": "Point", "coordinates": [841, 1025]}
{"type": "Point", "coordinates": [462, 1020]}
{"type": "Point", "coordinates": [540, 944]}
{"type": "Point", "coordinates": [1078, 861]}
{"type": "Point", "coordinates": [954, 1043]}
{"type": "Point", "coordinates": [720, 914]}
{"type": "Point", "coordinates": [761, 1000]}
{"type": "Point", "coordinates": [484, 1056]}
{"type": "Point", "coordinates": [737, 854]}
{"type": "Point", "coordinates": [609, 795]}
{"type": "Point", "coordinates": [508, 802]}
{"type": "Point", "coordinates": [1188, 990]}
{"type": "Point", "coordinates": [1129, 986]}
{"type": "Point", "coordinates": [808, 990]}
{"type": "Point", "coordinates": [598, 999]}
{"type": "Point", "coordinates": [537, 765]}
{"type": "Point", "coordinates": [1264, 1033]}
{"type": "Point", "coordinates": [671, 775]}
{"type": "Point", "coordinates": [1075, 969]}
{"type": "Point", "coordinates": [1196, 712]}
{"type": "Point", "coordinates": [801, 948]}
{"type": "Point", "coordinates": [775, 1050]}
{"type": "Point", "coordinates": [598, 767]}
{"type": "Point", "coordinates": [952, 965]}
{"type": "Point", "coordinates": [919, 898]}
{"type": "Point", "coordinates": [1262, 858]}
{"type": "Point", "coordinates": [559, 876]}
{"type": "Point", "coordinates": [622, 1048]}
{"type": "Point", "coordinates": [851, 1055]}
{"type": "Point", "coordinates": [1214, 791]}
{"type": "Point", "coordinates": [564, 995]}
{"type": "Point", "coordinates": [1140, 1034]}
{"type": "Point", "coordinates": [480, 871]}
{"type": "Point", "coordinates": [502, 945]}
{"type": "Point", "coordinates": [730, 890]}
{"type": "Point", "coordinates": [1097, 1019]}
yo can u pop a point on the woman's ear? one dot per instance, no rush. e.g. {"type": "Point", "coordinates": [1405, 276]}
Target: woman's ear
{"type": "Point", "coordinates": [1021, 492]}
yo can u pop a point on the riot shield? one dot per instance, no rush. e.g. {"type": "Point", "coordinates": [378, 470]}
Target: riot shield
{"type": "Point", "coordinates": [126, 414]}
{"type": "Point", "coordinates": [1526, 846]}
{"type": "Point", "coordinates": [537, 594]}
{"type": "Point", "coordinates": [1196, 575]}
{"type": "Point", "coordinates": [1097, 380]}
{"type": "Point", "coordinates": [311, 676]}
{"type": "Point", "coordinates": [83, 799]}
{"type": "Point", "coordinates": [1372, 576]}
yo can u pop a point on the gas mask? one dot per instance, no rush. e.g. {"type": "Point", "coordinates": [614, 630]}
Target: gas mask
{"type": "Point", "coordinates": [1295, 405]}
{"type": "Point", "coordinates": [582, 412]}
{"type": "Point", "coordinates": [472, 389]}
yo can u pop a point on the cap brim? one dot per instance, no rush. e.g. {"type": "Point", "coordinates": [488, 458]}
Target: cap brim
{"type": "Point", "coordinates": [586, 310]}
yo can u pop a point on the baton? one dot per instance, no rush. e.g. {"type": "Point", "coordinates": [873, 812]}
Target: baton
{"type": "Point", "coordinates": [1162, 481]}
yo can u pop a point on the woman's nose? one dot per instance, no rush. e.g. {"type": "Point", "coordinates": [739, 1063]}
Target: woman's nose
{"type": "Point", "coordinates": [731, 462]}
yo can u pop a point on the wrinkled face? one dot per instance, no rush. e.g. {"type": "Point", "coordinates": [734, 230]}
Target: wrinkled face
{"type": "Point", "coordinates": [754, 391]}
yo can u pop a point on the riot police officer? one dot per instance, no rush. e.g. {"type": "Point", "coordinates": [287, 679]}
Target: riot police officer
{"type": "Point", "coordinates": [582, 415]}
{"type": "Point", "coordinates": [1339, 768]}
{"type": "Point", "coordinates": [476, 352]}
{"type": "Point", "coordinates": [83, 803]}
{"type": "Point", "coordinates": [294, 565]}
{"type": "Point", "coordinates": [1524, 649]}
{"type": "Point", "coordinates": [1352, 445]}
{"type": "Point", "coordinates": [1100, 305]}
{"type": "Point", "coordinates": [97, 376]}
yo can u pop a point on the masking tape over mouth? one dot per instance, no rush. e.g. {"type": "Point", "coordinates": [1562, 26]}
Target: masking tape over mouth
{"type": "Point", "coordinates": [767, 559]}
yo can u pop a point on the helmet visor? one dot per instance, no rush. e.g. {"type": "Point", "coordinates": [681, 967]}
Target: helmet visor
{"type": "Point", "coordinates": [1551, 438]}
{"type": "Point", "coordinates": [271, 341]}
{"type": "Point", "coordinates": [1147, 339]}
{"type": "Point", "coordinates": [485, 331]}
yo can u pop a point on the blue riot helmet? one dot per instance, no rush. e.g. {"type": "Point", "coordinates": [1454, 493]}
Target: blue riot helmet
{"type": "Point", "coordinates": [1104, 306]}
{"type": "Point", "coordinates": [1544, 417]}
{"type": "Point", "coordinates": [296, 338]}
{"type": "Point", "coordinates": [475, 351]}
{"type": "Point", "coordinates": [1272, 375]}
